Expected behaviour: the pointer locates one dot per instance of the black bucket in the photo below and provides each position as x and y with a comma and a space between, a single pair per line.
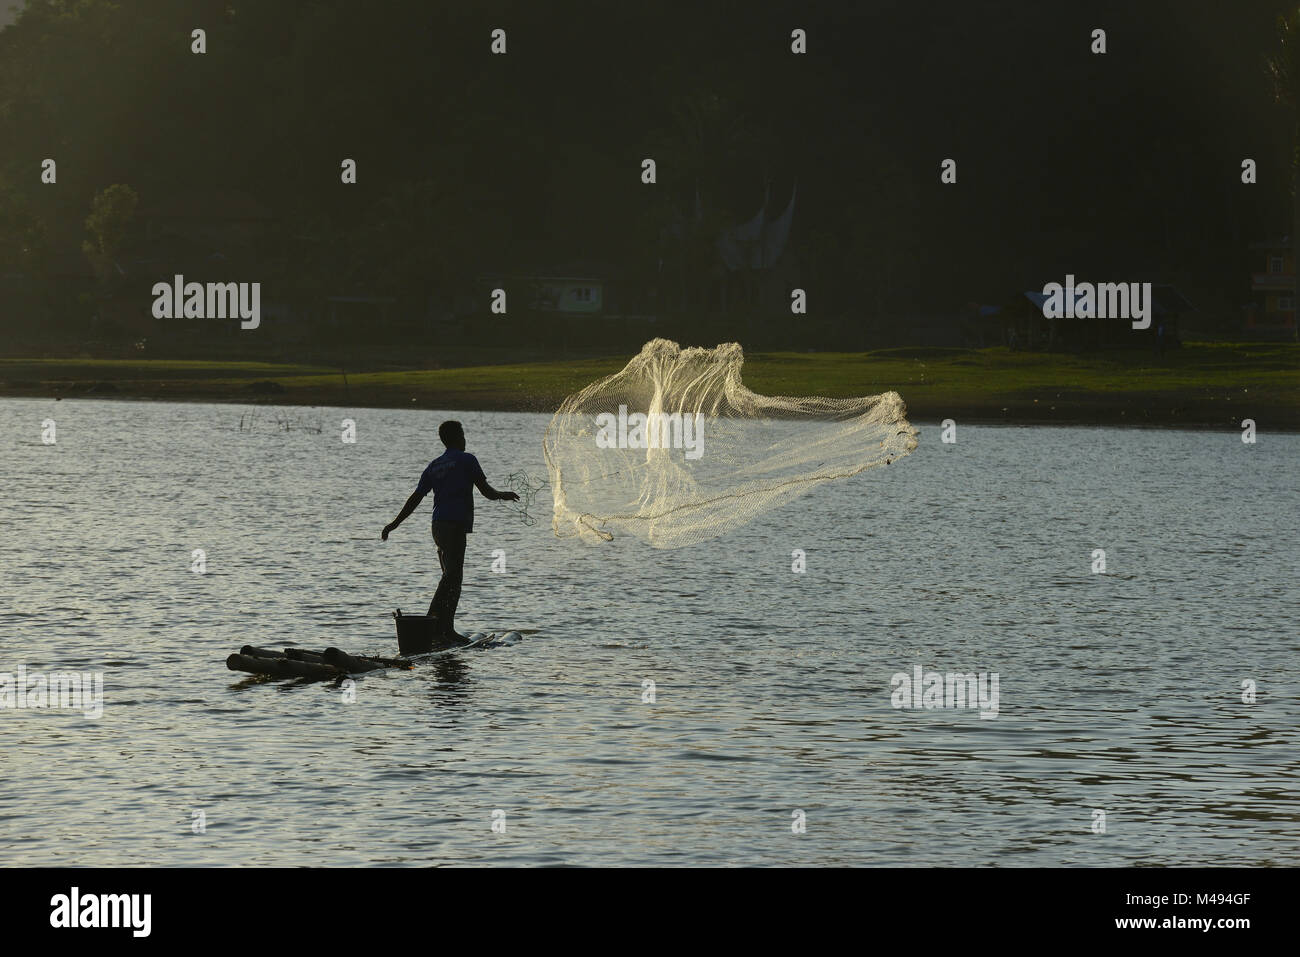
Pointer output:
416, 634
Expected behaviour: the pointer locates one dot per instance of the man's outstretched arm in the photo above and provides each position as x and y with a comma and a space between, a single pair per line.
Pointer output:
491, 493
411, 505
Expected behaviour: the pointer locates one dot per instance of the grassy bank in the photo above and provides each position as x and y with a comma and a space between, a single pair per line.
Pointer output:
1202, 384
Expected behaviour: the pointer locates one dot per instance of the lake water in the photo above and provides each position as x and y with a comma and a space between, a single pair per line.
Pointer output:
1119, 693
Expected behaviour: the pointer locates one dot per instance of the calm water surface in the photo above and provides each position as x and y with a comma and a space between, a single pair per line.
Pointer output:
1119, 692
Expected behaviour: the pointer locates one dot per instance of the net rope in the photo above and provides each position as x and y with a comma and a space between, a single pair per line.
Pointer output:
523, 484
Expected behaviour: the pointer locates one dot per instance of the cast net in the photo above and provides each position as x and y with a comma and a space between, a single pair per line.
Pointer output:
675, 450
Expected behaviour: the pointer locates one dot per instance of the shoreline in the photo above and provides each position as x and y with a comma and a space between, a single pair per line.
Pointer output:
1204, 386
1286, 424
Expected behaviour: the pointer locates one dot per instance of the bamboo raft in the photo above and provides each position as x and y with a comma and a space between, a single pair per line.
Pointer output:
328, 665
417, 637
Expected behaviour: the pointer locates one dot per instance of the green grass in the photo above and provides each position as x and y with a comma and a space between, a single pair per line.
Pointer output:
1200, 385
1206, 384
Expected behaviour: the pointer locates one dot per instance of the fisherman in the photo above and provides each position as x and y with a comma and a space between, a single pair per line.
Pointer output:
451, 477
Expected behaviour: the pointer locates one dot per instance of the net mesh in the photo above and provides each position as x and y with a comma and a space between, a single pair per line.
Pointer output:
675, 450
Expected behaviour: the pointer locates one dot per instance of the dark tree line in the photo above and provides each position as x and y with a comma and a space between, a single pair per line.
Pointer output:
1123, 166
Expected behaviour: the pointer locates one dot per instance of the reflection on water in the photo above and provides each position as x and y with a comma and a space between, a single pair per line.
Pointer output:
1119, 692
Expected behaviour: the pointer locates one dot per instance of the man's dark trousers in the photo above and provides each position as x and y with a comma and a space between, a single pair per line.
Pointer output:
450, 539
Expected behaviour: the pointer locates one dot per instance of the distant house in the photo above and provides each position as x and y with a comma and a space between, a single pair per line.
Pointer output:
758, 243
750, 266
582, 288
1271, 311
1025, 327
981, 325
578, 294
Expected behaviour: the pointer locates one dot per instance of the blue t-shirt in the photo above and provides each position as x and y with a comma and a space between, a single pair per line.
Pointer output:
451, 477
